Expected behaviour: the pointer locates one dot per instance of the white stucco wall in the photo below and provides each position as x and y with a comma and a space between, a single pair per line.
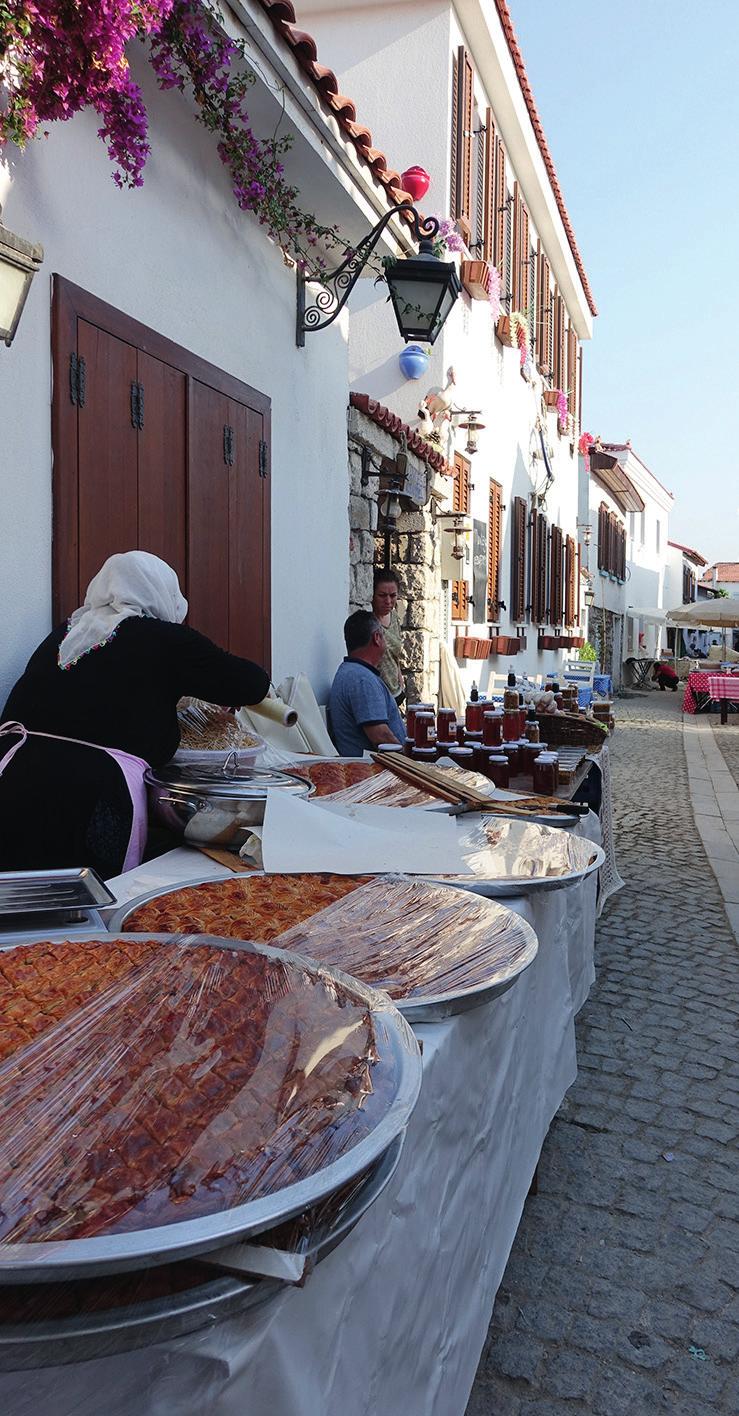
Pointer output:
180, 257
395, 61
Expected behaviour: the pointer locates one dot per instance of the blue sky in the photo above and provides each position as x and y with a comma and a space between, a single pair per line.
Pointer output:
640, 103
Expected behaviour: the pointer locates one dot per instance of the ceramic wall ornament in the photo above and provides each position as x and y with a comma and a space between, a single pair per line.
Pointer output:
413, 360
435, 417
415, 181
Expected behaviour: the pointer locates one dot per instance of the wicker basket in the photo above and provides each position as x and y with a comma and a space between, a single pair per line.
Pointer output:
568, 730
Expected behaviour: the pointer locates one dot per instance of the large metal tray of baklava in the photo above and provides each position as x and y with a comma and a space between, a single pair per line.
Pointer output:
520, 858
432, 949
161, 1097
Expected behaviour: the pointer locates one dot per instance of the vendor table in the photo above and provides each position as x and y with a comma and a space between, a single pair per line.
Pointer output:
724, 688
395, 1319
699, 682
603, 684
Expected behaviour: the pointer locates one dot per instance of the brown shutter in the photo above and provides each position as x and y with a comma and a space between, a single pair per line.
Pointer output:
461, 504
495, 516
559, 370
524, 261
572, 370
454, 155
503, 224
544, 316
555, 577
461, 485
538, 562
570, 590
465, 115
602, 548
479, 243
518, 560
488, 242
517, 249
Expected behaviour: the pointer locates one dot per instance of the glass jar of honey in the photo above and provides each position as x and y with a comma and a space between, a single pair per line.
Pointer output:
410, 715
424, 729
499, 771
512, 752
511, 725
510, 698
473, 715
545, 773
492, 728
531, 731
446, 725
424, 754
529, 751
462, 756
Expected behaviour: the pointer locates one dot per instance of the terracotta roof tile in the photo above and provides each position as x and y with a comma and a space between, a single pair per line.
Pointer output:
283, 17
725, 570
523, 79
394, 425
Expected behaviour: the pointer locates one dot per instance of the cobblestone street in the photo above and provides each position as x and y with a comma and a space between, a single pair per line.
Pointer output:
621, 1296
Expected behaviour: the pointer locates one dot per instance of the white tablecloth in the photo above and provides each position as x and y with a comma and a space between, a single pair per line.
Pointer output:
394, 1320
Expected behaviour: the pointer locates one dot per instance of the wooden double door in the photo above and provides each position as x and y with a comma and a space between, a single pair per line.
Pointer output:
156, 450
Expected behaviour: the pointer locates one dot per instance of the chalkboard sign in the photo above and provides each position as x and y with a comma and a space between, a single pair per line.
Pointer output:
480, 571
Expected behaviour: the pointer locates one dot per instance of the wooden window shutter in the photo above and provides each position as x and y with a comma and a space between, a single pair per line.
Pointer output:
460, 600
480, 179
602, 525
538, 563
518, 559
577, 587
523, 258
516, 268
571, 370
503, 224
543, 315
488, 240
461, 485
495, 519
555, 576
560, 375
454, 155
465, 123
570, 591
461, 504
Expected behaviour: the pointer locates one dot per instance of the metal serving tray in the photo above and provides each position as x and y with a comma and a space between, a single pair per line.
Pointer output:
431, 1008
53, 1342
47, 1261
526, 839
42, 891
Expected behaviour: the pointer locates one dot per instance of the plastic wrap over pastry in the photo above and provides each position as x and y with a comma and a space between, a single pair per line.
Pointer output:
416, 940
173, 1080
255, 907
516, 850
362, 783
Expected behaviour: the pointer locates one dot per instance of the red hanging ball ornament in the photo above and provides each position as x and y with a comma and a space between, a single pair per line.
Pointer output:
415, 182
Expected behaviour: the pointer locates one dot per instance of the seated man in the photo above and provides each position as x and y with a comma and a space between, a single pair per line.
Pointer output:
361, 709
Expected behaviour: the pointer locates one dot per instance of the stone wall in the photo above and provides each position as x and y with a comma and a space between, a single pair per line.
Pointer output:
414, 555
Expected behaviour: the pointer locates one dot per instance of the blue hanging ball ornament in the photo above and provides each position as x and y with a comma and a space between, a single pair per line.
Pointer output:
413, 361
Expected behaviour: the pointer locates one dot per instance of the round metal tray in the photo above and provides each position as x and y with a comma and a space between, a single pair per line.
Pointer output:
500, 887
47, 1261
101, 1333
430, 1008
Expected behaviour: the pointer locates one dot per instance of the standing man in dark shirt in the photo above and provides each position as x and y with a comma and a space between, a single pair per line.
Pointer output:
361, 709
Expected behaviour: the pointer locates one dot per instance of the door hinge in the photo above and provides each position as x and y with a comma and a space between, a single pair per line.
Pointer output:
228, 445
77, 380
137, 405
262, 458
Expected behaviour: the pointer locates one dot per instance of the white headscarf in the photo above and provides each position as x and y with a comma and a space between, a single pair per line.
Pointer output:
132, 583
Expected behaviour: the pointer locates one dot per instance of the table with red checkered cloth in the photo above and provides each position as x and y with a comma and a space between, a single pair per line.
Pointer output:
724, 686
716, 686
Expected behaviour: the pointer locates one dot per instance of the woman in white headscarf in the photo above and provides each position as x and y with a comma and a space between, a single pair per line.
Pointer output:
110, 678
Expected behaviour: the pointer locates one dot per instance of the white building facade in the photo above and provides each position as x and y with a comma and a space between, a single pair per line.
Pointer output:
231, 460
443, 86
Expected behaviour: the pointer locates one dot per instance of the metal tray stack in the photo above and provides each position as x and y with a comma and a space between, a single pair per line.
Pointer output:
31, 900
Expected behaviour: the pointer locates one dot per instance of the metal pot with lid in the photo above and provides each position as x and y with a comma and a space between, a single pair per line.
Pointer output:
211, 806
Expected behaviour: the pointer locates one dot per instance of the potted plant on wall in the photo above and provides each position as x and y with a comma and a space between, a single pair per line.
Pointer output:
414, 360
475, 277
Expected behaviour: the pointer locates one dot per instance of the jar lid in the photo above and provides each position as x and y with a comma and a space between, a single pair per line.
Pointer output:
231, 780
460, 752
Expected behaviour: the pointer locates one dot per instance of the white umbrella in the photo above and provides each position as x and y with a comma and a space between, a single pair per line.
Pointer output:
707, 614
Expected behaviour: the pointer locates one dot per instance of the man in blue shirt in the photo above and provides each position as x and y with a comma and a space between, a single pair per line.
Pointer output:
361, 709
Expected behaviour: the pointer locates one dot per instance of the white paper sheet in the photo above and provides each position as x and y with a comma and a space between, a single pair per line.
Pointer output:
307, 835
